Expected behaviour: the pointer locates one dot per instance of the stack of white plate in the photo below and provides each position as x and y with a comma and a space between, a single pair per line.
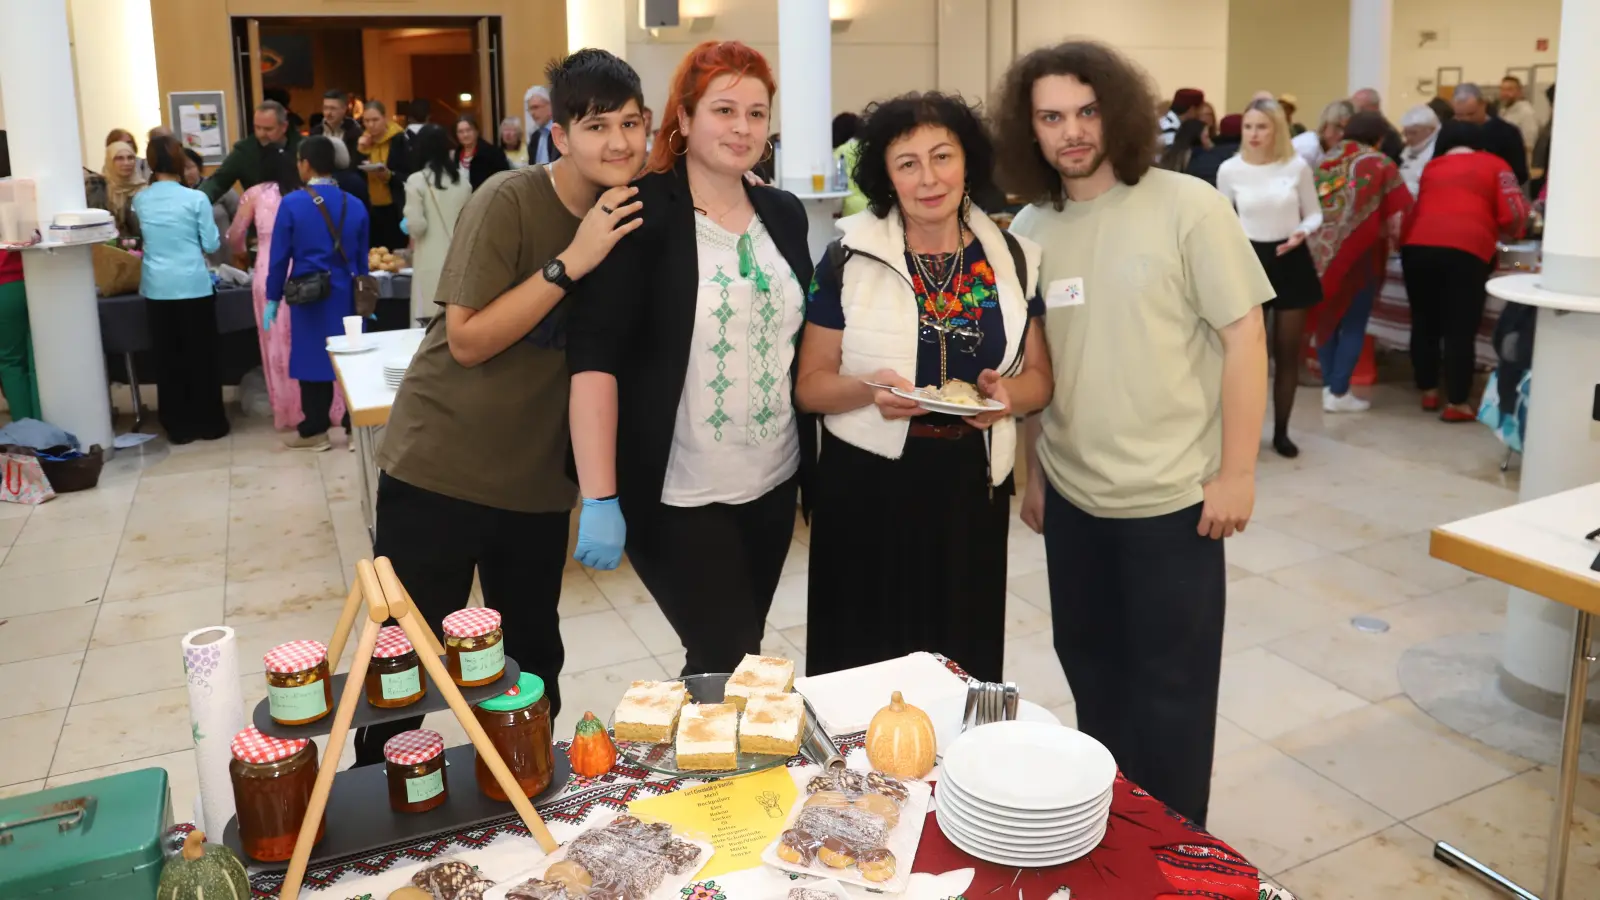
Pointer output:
1026, 794
394, 369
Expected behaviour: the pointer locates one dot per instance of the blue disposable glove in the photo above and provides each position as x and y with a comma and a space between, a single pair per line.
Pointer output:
601, 534
268, 314
405, 229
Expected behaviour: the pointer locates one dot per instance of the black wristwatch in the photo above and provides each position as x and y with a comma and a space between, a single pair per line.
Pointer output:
555, 272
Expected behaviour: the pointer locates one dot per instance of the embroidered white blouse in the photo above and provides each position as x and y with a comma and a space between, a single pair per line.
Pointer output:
735, 438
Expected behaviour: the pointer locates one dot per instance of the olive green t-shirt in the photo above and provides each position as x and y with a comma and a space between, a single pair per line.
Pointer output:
496, 433
1137, 283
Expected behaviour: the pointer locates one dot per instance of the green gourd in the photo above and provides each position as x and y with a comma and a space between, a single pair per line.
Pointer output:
203, 871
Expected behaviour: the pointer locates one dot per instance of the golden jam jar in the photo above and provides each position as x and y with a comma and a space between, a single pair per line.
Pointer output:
299, 689
518, 725
272, 781
414, 763
474, 646
395, 677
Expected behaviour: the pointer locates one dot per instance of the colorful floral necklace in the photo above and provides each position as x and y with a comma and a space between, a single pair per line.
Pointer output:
939, 302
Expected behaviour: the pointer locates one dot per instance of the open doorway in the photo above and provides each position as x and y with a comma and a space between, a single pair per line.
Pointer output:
453, 63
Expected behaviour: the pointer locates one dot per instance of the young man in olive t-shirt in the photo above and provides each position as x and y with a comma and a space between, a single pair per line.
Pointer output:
474, 455
1148, 452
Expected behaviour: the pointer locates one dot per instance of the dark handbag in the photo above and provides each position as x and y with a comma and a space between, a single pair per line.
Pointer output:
365, 286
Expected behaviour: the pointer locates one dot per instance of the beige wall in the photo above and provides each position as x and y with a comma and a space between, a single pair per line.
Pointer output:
113, 60
1268, 50
1481, 37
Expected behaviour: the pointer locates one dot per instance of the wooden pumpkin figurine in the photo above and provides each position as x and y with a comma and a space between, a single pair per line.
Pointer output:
203, 871
901, 740
592, 752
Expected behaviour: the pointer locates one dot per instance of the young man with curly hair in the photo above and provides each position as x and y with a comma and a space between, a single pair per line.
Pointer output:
1147, 455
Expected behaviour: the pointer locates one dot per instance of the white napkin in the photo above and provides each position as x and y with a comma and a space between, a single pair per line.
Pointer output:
847, 700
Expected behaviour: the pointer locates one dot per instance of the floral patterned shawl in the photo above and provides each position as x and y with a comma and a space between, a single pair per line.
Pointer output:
1361, 191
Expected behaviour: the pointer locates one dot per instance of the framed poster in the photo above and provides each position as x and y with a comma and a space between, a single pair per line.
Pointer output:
199, 121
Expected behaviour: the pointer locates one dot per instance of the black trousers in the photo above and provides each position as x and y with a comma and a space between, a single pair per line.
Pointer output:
713, 570
1138, 607
188, 382
384, 227
435, 542
1445, 287
316, 402
897, 567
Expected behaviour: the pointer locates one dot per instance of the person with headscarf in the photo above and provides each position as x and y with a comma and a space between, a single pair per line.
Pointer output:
536, 125
1420, 128
114, 188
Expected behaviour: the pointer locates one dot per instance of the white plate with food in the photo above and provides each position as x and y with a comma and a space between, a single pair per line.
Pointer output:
958, 398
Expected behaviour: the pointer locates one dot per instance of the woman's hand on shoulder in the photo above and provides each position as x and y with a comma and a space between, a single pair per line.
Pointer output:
600, 230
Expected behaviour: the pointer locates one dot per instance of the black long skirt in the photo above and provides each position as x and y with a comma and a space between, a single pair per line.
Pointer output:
908, 555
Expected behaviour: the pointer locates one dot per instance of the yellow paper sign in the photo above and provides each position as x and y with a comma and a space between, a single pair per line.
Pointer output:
739, 816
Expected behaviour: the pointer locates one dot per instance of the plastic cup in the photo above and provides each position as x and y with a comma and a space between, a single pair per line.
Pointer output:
352, 332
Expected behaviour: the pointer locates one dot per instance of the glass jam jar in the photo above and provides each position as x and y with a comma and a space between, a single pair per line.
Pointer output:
474, 646
299, 689
416, 770
395, 677
518, 725
272, 781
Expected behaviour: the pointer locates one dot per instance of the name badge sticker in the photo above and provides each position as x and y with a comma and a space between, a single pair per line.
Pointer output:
1064, 292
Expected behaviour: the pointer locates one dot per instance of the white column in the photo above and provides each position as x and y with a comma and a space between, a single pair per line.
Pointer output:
599, 24
42, 127
1371, 27
1563, 443
805, 83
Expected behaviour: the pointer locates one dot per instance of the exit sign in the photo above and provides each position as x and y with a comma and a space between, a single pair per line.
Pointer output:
1542, 45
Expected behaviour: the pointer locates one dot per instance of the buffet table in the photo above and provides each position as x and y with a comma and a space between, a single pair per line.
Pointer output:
1147, 852
368, 397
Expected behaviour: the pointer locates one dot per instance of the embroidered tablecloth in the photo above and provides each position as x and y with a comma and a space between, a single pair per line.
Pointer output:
1149, 852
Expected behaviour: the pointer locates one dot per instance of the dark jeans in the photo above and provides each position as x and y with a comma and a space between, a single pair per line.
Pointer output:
1138, 607
1445, 287
1340, 353
713, 570
188, 382
316, 402
435, 541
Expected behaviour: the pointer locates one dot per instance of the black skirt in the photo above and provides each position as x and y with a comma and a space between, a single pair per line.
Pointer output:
1293, 275
907, 555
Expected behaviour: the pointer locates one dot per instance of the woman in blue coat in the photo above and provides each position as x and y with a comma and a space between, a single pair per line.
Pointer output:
303, 244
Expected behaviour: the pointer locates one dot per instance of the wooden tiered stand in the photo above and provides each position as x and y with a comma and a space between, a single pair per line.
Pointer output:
385, 598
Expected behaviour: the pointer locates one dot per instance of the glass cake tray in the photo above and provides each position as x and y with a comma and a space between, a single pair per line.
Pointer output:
662, 758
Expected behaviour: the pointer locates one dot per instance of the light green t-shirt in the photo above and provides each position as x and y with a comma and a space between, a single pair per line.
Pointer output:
1137, 283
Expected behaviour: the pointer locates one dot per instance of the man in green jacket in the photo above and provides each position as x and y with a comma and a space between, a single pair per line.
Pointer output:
255, 159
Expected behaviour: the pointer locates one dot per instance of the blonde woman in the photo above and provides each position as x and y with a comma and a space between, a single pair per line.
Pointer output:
513, 143
1276, 196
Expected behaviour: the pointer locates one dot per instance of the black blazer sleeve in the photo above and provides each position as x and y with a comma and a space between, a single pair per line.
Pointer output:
605, 307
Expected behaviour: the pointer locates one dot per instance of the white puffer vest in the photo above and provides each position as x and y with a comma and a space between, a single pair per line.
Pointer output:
882, 322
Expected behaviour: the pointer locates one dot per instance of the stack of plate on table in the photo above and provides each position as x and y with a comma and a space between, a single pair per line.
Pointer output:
394, 369
1026, 794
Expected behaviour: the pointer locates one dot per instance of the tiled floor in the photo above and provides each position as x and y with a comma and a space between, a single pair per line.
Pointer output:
1327, 776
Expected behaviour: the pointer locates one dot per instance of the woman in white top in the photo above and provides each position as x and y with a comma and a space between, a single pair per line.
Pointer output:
1276, 196
1420, 127
435, 195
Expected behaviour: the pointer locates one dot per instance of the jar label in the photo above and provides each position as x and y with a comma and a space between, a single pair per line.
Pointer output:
477, 665
291, 704
425, 788
401, 684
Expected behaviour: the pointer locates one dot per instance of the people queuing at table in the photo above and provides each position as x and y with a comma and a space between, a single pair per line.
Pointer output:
474, 457
436, 193
320, 238
179, 230
115, 187
923, 288
383, 155
682, 351
476, 157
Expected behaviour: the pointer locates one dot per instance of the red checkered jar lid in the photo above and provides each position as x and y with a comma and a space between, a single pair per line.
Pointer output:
392, 642
413, 748
251, 746
471, 622
295, 656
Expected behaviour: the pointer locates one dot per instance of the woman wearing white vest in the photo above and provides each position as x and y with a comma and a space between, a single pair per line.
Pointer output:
909, 527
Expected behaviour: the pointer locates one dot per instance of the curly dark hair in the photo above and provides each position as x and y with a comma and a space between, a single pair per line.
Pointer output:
1366, 128
1127, 110
887, 121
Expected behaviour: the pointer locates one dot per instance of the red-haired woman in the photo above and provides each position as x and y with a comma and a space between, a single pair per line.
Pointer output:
682, 347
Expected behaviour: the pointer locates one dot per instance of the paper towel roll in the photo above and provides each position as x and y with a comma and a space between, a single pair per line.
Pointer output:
216, 714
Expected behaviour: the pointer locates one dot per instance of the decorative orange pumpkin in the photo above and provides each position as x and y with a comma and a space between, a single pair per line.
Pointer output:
901, 741
592, 752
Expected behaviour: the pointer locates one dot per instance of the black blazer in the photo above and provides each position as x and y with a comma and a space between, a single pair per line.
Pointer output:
634, 318
487, 161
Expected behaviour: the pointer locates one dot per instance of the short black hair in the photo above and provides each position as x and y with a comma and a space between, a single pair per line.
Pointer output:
418, 110
165, 156
336, 94
199, 163
1442, 108
846, 125
1366, 128
1457, 133
890, 120
317, 151
590, 82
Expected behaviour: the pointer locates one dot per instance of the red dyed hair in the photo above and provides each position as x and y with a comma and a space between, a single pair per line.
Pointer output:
690, 82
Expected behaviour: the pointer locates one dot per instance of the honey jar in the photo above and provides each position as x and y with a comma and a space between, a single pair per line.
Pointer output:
272, 781
474, 646
518, 725
395, 677
415, 766
299, 689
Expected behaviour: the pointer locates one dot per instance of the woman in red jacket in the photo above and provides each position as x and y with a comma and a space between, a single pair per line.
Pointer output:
1467, 199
